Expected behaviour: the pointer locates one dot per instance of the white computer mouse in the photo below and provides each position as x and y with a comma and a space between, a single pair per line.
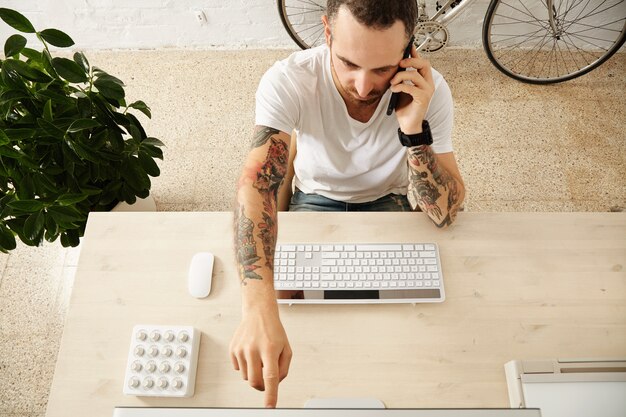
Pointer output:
200, 274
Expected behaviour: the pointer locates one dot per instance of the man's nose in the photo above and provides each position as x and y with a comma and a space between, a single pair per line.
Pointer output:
363, 85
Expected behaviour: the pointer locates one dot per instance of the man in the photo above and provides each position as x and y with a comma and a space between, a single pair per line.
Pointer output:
349, 155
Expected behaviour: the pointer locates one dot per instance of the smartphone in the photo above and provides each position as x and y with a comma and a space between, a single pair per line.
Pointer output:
393, 102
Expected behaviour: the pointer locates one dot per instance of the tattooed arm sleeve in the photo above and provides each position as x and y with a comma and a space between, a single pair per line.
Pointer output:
437, 190
256, 206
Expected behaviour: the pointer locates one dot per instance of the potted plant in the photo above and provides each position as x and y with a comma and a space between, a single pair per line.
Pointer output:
69, 144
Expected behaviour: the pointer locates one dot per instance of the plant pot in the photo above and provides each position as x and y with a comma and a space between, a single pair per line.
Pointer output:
142, 204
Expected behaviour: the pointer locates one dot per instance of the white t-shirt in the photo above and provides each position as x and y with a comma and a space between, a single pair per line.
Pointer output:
339, 157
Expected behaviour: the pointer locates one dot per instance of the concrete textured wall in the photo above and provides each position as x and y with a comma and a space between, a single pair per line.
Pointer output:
156, 24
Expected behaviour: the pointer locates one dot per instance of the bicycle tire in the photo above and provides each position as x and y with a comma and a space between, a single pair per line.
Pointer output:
291, 26
528, 77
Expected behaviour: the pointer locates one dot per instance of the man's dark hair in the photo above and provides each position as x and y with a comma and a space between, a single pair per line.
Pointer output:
378, 14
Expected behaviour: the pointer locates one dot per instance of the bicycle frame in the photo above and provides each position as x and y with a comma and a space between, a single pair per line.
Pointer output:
446, 14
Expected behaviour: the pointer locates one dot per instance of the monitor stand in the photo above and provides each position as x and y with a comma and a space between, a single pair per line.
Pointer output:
344, 403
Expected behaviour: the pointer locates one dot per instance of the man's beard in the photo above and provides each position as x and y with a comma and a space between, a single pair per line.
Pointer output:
353, 96
372, 98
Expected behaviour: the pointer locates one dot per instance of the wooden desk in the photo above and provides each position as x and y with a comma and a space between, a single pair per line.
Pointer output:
518, 285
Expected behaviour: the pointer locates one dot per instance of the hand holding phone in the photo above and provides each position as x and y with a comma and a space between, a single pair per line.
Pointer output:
393, 102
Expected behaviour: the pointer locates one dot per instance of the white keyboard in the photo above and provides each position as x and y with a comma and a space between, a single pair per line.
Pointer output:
358, 273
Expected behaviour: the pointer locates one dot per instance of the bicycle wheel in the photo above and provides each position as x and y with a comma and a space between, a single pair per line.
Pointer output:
303, 21
523, 42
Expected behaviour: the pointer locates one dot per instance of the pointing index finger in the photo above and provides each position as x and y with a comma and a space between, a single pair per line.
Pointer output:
271, 380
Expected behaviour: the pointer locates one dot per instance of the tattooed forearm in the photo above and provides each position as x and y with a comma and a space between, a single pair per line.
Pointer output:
262, 135
431, 187
258, 191
245, 247
268, 181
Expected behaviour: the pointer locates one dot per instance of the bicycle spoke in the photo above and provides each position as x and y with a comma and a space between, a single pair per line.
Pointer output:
592, 27
530, 22
529, 14
312, 3
589, 42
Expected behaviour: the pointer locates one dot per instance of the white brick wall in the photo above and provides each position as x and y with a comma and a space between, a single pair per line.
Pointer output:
152, 24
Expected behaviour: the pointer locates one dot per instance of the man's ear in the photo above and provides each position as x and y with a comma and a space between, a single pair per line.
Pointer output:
327, 33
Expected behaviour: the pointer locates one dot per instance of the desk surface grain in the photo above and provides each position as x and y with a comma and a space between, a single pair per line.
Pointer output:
518, 286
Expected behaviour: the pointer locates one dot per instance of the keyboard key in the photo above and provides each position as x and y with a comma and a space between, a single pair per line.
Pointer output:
331, 255
288, 248
378, 248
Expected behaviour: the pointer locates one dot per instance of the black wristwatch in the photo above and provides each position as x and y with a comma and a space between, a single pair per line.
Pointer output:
424, 138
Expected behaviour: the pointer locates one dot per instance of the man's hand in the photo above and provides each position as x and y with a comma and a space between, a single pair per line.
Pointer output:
412, 105
261, 351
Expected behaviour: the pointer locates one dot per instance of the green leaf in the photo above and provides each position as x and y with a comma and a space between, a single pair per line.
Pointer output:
65, 214
47, 64
52, 229
109, 88
149, 165
16, 20
51, 129
81, 60
142, 107
91, 190
101, 75
152, 150
57, 38
31, 54
25, 70
71, 199
14, 45
11, 78
4, 139
34, 225
10, 153
27, 206
84, 152
7, 239
152, 141
135, 133
47, 111
18, 134
69, 70
82, 124
70, 238
134, 174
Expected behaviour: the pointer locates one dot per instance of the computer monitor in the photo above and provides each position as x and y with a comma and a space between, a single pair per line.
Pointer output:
326, 412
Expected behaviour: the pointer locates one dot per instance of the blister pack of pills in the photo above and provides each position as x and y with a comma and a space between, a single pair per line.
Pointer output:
162, 361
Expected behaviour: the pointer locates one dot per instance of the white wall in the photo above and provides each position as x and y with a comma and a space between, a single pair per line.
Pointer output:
152, 24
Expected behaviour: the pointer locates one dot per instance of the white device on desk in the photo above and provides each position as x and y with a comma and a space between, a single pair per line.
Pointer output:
569, 387
162, 361
348, 273
200, 274
311, 412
